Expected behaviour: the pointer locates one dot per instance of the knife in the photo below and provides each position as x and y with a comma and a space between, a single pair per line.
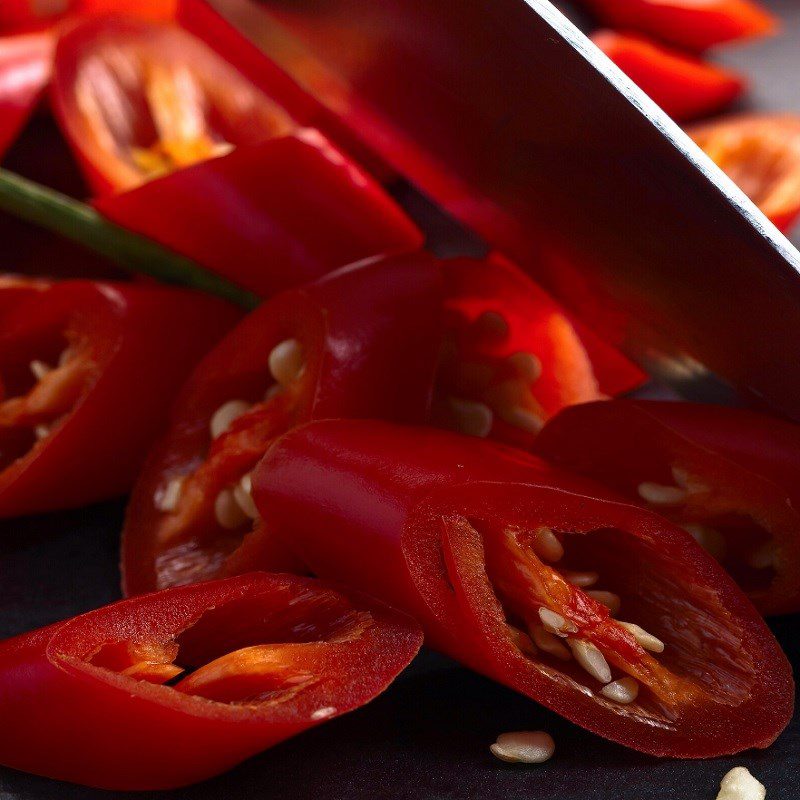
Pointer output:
509, 118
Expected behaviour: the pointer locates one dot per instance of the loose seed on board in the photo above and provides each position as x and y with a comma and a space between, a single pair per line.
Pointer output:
591, 659
739, 784
242, 493
470, 417
660, 495
524, 747
646, 640
555, 623
39, 369
228, 512
582, 580
549, 643
547, 545
166, 498
222, 418
624, 690
286, 361
610, 600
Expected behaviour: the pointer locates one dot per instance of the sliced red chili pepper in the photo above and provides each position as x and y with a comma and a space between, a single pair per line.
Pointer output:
683, 85
687, 23
25, 65
270, 216
342, 347
250, 661
761, 153
523, 572
26, 15
88, 374
728, 476
513, 356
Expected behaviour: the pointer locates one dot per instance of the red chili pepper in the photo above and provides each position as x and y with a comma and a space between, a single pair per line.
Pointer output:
26, 15
729, 476
513, 356
14, 289
25, 65
342, 347
683, 85
250, 661
687, 23
89, 371
270, 216
761, 153
485, 545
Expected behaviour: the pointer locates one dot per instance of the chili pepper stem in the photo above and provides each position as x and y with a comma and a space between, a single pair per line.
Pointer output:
47, 208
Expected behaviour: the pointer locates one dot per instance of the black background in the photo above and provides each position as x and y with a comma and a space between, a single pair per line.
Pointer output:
428, 736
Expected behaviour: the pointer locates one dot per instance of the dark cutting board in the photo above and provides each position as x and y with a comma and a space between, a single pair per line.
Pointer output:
428, 736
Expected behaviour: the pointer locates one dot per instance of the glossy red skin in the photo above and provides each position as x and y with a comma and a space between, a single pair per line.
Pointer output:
319, 212
577, 366
378, 506
687, 24
15, 289
683, 85
624, 442
363, 360
21, 15
142, 343
25, 64
65, 718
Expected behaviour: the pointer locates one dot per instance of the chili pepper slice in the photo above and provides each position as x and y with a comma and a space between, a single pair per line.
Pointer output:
342, 347
601, 611
683, 85
726, 475
513, 356
27, 15
761, 153
270, 216
88, 372
25, 65
688, 24
172, 688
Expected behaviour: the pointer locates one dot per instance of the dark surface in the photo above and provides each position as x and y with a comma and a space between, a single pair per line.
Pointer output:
427, 737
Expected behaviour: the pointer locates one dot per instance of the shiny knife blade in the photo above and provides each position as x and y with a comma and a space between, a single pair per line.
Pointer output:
509, 118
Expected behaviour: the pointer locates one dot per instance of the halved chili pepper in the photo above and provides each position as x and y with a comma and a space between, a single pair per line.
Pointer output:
683, 85
174, 687
88, 372
26, 15
761, 153
362, 342
25, 65
513, 356
728, 476
547, 582
687, 23
270, 216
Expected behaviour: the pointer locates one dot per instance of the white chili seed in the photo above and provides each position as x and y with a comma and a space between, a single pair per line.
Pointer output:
660, 495
227, 511
470, 417
624, 690
739, 784
39, 369
555, 623
222, 418
547, 545
286, 361
524, 747
526, 365
549, 643
41, 431
591, 659
167, 497
521, 417
710, 539
581, 579
610, 600
243, 494
646, 640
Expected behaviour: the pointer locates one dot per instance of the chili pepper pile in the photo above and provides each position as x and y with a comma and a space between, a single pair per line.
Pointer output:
391, 446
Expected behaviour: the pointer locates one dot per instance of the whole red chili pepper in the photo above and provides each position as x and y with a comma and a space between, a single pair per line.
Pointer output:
761, 153
250, 661
209, 163
25, 64
342, 347
683, 85
88, 372
494, 552
729, 476
513, 356
687, 23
